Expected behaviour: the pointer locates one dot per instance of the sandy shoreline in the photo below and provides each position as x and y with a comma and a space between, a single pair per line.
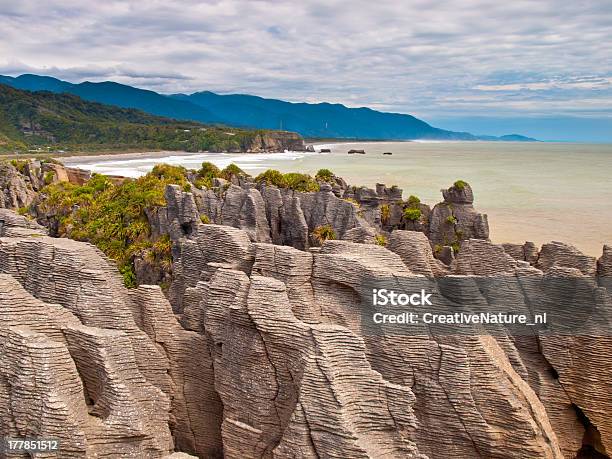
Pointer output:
93, 158
89, 159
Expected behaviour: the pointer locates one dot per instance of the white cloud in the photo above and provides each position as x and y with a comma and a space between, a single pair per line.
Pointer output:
419, 56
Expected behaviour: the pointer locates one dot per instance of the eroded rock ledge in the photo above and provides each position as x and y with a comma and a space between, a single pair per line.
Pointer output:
266, 357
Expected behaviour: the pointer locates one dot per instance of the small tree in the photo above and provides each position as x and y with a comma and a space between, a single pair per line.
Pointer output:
412, 214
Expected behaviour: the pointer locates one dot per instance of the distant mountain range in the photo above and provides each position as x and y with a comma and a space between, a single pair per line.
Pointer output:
322, 120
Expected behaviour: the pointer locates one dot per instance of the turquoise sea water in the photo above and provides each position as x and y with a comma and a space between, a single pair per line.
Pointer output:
531, 191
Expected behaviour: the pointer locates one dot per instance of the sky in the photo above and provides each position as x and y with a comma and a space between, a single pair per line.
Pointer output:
540, 68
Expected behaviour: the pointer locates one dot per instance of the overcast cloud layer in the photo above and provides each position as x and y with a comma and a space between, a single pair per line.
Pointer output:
434, 59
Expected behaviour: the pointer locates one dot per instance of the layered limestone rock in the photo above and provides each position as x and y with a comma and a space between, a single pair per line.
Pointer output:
81, 385
125, 379
267, 214
455, 219
15, 191
266, 350
197, 257
415, 251
13, 225
561, 254
21, 180
526, 252
286, 388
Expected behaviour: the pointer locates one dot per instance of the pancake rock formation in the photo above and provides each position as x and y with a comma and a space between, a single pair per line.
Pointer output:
263, 345
262, 351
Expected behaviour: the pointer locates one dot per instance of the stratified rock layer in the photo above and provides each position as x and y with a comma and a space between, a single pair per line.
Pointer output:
264, 350
125, 379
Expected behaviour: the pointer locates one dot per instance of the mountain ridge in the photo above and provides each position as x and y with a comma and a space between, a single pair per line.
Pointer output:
45, 119
323, 119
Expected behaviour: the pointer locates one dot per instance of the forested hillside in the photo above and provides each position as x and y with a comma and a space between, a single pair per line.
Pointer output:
31, 120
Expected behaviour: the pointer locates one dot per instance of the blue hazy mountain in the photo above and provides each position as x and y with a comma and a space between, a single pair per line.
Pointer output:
115, 94
310, 120
317, 120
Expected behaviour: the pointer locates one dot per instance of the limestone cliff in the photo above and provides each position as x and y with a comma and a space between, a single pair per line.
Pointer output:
264, 347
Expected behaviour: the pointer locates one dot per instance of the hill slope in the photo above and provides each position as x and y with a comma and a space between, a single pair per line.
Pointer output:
115, 94
311, 120
30, 119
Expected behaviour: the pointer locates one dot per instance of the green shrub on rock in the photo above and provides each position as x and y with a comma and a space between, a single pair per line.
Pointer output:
385, 213
272, 177
292, 180
112, 216
323, 233
325, 175
380, 239
206, 174
412, 214
208, 169
460, 184
49, 177
300, 182
231, 171
413, 201
173, 174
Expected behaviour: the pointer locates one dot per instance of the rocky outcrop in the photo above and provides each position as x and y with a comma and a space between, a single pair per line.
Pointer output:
455, 219
21, 180
13, 225
415, 251
112, 371
15, 191
302, 395
523, 252
276, 141
277, 357
561, 254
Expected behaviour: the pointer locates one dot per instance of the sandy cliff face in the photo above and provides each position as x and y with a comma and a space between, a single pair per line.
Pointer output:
265, 350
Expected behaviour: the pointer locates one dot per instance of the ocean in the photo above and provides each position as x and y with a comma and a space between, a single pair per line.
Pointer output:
536, 191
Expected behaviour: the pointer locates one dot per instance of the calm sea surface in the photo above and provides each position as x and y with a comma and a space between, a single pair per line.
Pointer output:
531, 191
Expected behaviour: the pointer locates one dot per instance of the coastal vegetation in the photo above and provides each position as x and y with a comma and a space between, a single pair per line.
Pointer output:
323, 233
112, 216
45, 121
380, 239
385, 213
413, 201
325, 175
412, 210
460, 184
292, 180
412, 213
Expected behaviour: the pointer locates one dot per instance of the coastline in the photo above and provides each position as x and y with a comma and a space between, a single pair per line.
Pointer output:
93, 158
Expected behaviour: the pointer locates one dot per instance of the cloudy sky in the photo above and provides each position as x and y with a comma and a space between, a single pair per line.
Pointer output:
542, 67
